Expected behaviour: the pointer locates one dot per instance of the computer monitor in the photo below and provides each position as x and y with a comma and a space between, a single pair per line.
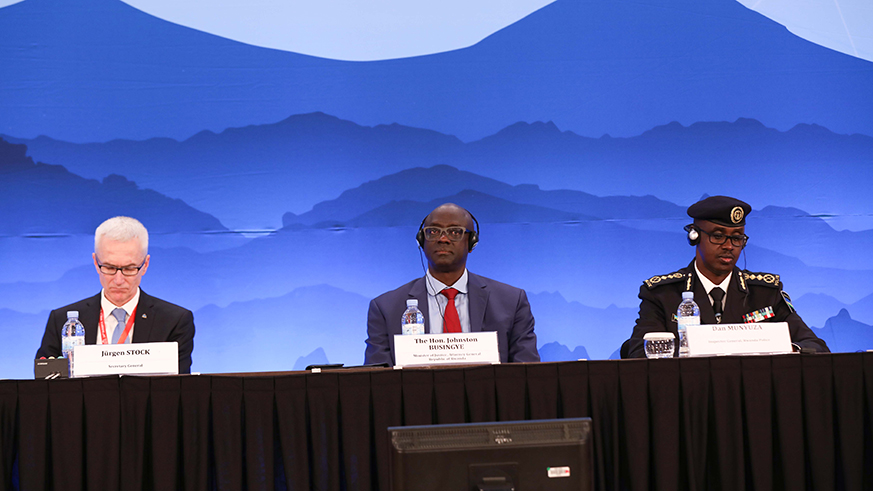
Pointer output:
515, 455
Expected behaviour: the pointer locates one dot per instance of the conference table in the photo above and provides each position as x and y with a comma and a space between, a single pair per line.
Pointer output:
759, 422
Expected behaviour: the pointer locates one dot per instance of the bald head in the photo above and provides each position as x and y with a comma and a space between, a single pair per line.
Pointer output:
453, 209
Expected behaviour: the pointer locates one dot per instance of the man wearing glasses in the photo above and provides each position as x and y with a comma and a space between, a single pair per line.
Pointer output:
724, 293
122, 313
451, 298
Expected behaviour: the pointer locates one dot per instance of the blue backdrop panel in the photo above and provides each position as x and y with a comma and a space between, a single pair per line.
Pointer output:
283, 191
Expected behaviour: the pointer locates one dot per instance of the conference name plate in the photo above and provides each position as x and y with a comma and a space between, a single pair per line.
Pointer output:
764, 338
446, 348
126, 359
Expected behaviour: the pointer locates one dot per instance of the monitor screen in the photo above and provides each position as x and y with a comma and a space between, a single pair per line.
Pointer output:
513, 455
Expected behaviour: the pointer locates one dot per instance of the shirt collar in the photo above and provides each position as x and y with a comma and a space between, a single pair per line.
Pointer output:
709, 285
434, 286
108, 306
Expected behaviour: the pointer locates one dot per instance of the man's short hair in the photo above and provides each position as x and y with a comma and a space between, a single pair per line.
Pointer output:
123, 229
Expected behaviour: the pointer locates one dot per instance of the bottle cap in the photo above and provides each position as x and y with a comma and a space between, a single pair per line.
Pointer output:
687, 295
411, 302
72, 313
658, 336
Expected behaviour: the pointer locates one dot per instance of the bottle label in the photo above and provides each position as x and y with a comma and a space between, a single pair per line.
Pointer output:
413, 329
67, 344
689, 321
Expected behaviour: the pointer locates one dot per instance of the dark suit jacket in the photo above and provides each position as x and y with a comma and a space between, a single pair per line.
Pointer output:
747, 292
163, 321
494, 306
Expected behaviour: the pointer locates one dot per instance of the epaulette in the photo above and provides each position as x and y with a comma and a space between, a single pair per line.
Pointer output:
763, 279
665, 279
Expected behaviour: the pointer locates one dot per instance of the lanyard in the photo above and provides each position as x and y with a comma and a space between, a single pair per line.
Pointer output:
124, 334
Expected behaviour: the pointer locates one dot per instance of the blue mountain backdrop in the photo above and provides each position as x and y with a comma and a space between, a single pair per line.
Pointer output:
283, 191
614, 67
287, 297
268, 160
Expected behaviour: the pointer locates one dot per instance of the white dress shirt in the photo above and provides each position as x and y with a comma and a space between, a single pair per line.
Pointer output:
437, 302
110, 321
709, 285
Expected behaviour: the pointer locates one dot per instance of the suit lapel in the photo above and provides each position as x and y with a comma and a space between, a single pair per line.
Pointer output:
733, 309
478, 300
142, 325
707, 314
90, 318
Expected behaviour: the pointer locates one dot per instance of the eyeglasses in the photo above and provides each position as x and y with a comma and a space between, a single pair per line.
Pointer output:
719, 238
453, 233
125, 271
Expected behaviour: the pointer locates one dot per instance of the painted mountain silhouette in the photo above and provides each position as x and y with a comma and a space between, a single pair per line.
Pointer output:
443, 181
279, 329
312, 164
616, 67
22, 334
493, 210
842, 333
817, 308
48, 199
380, 254
776, 227
800, 167
556, 351
387, 202
289, 165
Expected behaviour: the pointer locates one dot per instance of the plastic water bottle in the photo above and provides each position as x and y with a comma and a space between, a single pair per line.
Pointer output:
72, 334
413, 319
688, 314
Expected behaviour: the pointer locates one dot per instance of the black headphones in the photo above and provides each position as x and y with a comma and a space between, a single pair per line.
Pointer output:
693, 234
472, 240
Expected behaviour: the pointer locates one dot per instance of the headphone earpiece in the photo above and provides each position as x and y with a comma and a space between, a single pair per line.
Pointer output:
693, 234
419, 236
474, 235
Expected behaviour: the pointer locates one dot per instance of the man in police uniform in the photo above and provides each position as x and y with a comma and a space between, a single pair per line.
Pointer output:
724, 293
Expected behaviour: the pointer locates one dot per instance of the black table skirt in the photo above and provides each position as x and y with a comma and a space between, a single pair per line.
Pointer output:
782, 422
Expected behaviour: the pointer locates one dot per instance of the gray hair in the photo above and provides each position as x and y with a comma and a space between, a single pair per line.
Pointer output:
123, 229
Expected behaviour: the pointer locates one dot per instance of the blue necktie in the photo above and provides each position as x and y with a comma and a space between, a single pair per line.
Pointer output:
121, 315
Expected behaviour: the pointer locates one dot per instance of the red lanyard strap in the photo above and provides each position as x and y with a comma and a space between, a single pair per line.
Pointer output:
124, 334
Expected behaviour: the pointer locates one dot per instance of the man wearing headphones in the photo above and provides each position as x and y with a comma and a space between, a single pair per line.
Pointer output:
451, 298
724, 293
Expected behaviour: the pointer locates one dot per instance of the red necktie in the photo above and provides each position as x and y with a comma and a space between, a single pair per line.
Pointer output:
451, 323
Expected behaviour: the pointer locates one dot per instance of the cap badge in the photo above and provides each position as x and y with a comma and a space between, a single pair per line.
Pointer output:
737, 214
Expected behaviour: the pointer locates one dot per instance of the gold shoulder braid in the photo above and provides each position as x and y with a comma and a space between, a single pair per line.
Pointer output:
768, 279
668, 278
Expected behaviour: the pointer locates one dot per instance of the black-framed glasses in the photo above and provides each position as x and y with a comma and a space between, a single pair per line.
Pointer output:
125, 271
453, 233
719, 238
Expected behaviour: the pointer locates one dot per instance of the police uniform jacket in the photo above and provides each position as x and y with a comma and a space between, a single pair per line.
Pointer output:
747, 293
